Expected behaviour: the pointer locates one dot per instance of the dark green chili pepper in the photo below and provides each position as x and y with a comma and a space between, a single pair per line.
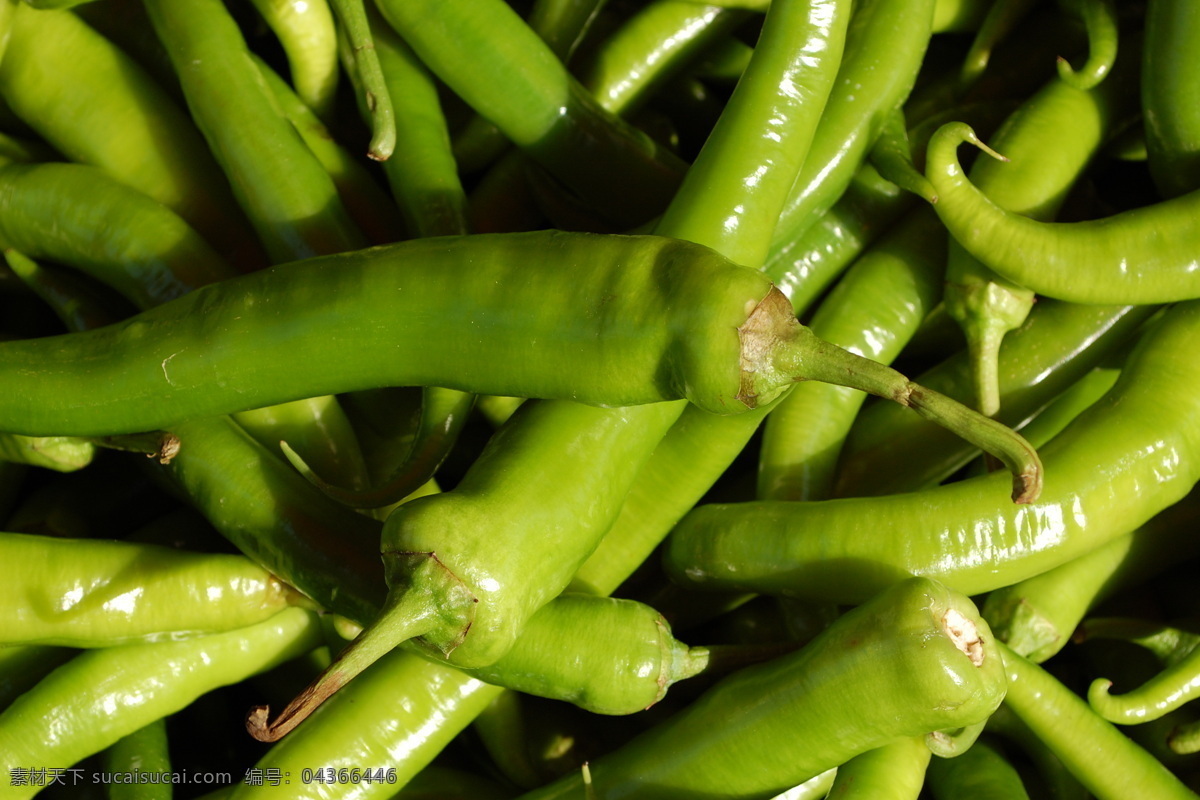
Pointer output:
913, 659
1169, 100
1110, 765
96, 593
1132, 257
75, 214
140, 755
895, 771
527, 93
1121, 462
980, 773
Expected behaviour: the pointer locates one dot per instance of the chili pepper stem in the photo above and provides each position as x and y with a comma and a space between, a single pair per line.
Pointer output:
406, 615
777, 350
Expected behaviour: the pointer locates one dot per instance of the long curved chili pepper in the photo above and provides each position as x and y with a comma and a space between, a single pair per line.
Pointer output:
705, 748
1109, 472
1104, 760
1043, 166
1170, 103
1100, 19
246, 348
1178, 650
77, 215
1082, 262
1054, 775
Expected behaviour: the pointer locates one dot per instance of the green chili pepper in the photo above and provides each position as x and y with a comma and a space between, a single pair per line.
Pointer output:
1178, 650
1121, 462
95, 105
1037, 616
1044, 167
417, 708
85, 593
143, 753
1106, 762
1058, 344
1083, 262
873, 311
913, 659
288, 197
895, 771
733, 344
77, 215
306, 32
1169, 89
1100, 19
527, 93
981, 773
103, 695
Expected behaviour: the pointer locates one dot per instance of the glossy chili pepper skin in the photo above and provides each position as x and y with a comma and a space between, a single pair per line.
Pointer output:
1136, 256
1101, 757
373, 318
419, 707
1126, 458
888, 669
649, 658
106, 694
96, 593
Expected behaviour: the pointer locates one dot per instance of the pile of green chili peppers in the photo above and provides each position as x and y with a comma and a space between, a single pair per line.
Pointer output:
469, 399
